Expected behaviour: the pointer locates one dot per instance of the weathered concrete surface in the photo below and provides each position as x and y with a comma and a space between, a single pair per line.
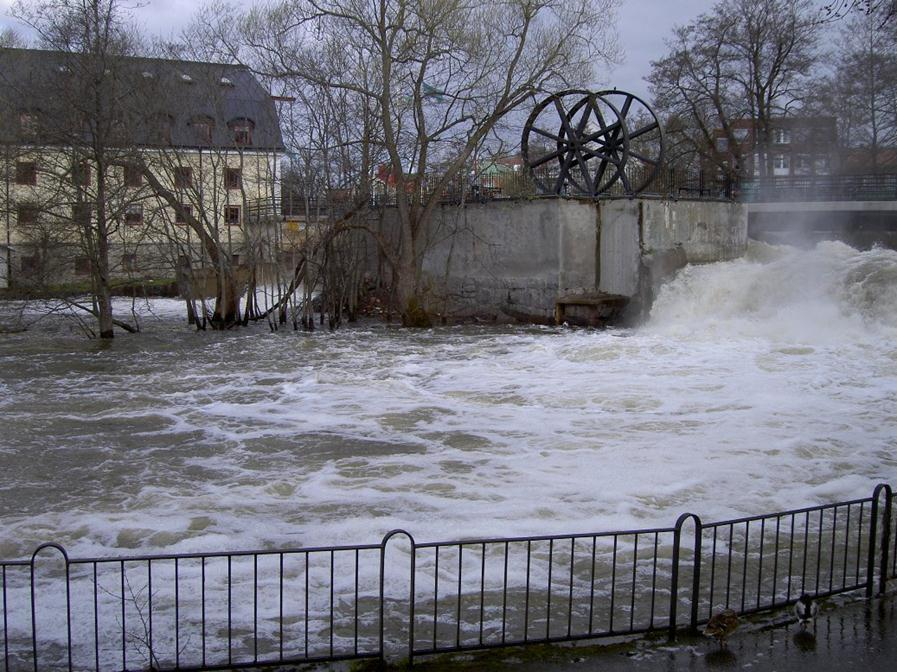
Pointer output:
674, 233
4, 269
514, 259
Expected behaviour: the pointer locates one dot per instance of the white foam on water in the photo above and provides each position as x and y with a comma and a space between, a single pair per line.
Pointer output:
757, 385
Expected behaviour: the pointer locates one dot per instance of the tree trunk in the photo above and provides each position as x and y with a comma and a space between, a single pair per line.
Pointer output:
227, 301
104, 310
411, 301
101, 273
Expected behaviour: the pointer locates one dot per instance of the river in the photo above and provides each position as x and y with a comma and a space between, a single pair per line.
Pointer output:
756, 385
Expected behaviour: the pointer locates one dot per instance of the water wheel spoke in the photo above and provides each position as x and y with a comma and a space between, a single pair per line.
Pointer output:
611, 156
642, 158
547, 134
559, 183
592, 105
551, 156
583, 122
613, 131
583, 165
600, 150
568, 162
643, 130
566, 128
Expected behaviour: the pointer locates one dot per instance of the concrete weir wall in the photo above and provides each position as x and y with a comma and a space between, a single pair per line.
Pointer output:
643, 241
515, 259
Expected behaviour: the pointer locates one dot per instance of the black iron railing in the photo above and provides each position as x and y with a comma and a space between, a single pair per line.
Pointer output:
403, 598
800, 188
671, 183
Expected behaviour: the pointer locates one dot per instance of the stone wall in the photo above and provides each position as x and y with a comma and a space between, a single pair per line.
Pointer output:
514, 259
644, 241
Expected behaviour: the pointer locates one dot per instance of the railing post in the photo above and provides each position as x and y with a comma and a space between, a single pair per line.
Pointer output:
696, 573
885, 537
873, 536
383, 544
68, 604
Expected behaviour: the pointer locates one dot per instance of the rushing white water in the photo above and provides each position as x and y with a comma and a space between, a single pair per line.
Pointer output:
757, 385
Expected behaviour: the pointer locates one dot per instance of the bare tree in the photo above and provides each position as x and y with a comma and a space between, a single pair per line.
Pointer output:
86, 129
884, 11
203, 195
861, 90
745, 59
430, 81
12, 39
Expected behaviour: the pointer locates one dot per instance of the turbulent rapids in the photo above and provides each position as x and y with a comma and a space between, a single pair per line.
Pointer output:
756, 385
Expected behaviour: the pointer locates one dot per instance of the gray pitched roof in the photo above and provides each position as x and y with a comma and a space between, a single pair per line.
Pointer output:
145, 94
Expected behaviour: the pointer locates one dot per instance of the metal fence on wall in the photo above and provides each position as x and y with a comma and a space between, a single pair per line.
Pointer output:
798, 188
404, 598
670, 183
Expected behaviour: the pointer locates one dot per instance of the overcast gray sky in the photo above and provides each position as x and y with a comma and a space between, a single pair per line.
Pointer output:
643, 25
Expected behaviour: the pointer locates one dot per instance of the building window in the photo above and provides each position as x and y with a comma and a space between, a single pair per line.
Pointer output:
181, 214
134, 214
242, 129
722, 144
740, 134
82, 265
183, 178
81, 173
203, 128
81, 214
26, 214
26, 172
232, 215
233, 178
161, 125
780, 162
781, 136
129, 262
31, 264
28, 124
133, 176
119, 124
821, 135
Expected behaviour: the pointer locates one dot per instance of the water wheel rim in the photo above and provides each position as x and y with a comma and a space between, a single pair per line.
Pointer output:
653, 164
583, 158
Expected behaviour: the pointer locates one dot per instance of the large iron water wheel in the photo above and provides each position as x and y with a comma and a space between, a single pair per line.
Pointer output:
646, 141
575, 141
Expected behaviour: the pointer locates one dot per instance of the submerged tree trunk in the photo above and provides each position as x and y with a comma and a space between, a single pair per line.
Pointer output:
226, 313
101, 272
227, 301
